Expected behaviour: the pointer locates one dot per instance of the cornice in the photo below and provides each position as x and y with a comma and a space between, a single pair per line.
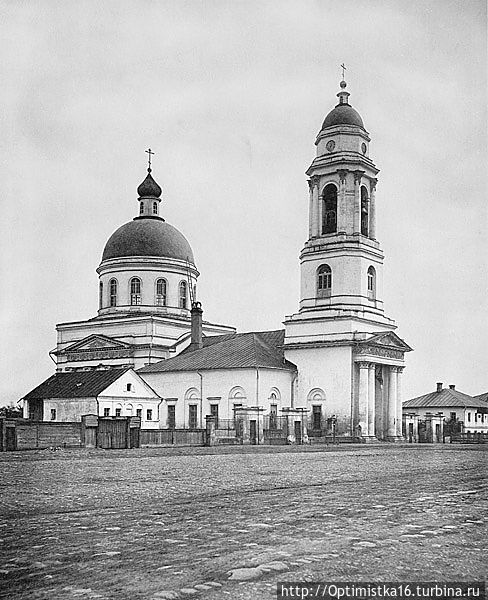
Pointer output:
147, 263
289, 320
342, 160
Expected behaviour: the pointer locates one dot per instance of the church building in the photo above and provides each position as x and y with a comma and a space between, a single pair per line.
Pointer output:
147, 281
336, 365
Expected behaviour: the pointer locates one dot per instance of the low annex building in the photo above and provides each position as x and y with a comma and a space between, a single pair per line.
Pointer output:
66, 397
240, 372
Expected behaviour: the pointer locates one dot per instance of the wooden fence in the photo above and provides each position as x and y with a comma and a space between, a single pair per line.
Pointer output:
172, 437
22, 434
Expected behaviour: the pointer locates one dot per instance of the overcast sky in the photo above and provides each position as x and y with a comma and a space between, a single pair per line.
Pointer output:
230, 95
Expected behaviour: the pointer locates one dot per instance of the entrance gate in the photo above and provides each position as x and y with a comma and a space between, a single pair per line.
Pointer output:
116, 433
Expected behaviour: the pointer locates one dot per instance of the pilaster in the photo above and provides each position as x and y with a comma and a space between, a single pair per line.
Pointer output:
310, 209
372, 209
357, 201
315, 194
341, 205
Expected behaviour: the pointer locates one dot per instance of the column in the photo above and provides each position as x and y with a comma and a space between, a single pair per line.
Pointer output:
371, 399
372, 210
363, 397
310, 209
392, 402
399, 419
357, 201
316, 208
341, 202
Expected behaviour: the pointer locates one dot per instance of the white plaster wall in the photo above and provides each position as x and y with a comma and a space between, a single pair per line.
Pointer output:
129, 408
329, 369
139, 388
349, 274
69, 409
344, 142
216, 388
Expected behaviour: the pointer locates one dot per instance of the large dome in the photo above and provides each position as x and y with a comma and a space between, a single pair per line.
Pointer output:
343, 114
148, 237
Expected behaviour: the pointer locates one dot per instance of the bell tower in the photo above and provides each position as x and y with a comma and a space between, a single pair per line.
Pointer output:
349, 359
342, 262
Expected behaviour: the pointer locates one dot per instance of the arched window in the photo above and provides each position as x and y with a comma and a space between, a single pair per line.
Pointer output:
371, 282
155, 208
161, 287
324, 281
182, 303
135, 291
329, 213
100, 296
141, 208
113, 292
364, 211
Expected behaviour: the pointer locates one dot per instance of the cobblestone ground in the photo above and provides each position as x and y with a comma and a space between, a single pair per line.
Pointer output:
159, 524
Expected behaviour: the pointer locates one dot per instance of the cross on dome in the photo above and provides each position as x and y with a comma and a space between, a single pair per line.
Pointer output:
149, 152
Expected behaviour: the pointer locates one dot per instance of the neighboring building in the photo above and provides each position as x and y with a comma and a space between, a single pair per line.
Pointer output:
449, 405
65, 397
147, 282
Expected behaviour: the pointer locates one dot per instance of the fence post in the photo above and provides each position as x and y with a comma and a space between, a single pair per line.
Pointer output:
210, 435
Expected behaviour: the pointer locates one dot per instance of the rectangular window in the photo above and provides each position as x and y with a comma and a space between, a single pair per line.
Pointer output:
214, 412
53, 414
106, 412
317, 417
139, 412
469, 417
129, 387
149, 414
453, 416
171, 416
192, 416
118, 412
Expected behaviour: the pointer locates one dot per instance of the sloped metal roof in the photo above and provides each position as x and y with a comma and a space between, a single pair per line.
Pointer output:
81, 384
230, 351
445, 398
483, 397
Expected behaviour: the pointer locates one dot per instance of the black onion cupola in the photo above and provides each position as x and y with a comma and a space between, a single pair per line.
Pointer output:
149, 197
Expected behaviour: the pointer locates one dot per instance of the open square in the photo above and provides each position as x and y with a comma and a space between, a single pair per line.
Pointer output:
149, 524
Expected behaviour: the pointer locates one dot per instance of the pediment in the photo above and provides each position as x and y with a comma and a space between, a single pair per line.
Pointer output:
388, 339
96, 342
